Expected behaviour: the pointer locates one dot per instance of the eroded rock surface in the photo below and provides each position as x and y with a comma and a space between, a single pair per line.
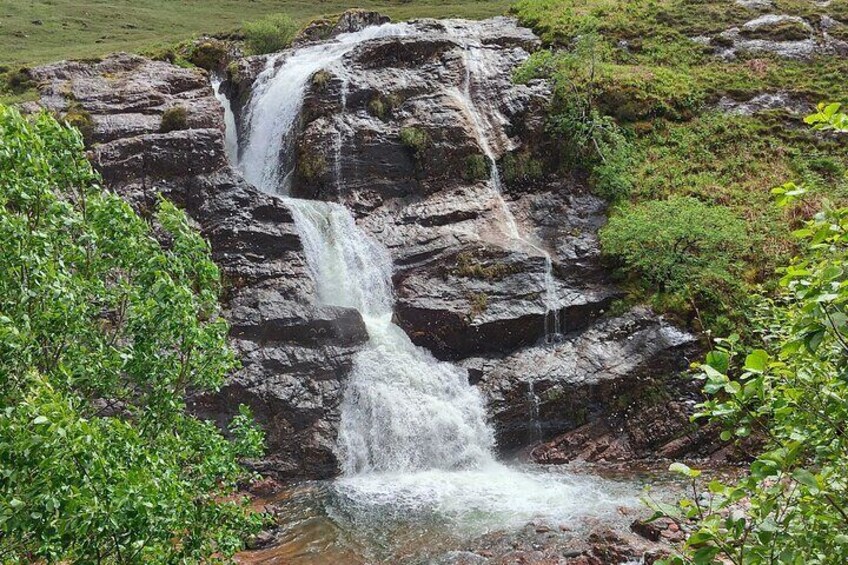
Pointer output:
783, 35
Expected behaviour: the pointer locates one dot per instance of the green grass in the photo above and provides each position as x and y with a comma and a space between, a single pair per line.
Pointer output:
80, 29
636, 64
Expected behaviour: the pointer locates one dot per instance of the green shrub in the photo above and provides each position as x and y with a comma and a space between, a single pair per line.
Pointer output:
418, 141
101, 333
594, 142
378, 108
479, 303
476, 167
19, 80
270, 34
521, 166
211, 55
321, 79
311, 166
382, 106
678, 246
80, 118
17, 86
173, 119
469, 266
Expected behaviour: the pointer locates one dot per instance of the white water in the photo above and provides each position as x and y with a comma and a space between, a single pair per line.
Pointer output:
230, 139
488, 127
413, 433
278, 97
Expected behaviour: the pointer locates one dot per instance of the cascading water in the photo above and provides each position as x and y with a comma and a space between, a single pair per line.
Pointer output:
486, 126
403, 410
230, 140
277, 99
413, 435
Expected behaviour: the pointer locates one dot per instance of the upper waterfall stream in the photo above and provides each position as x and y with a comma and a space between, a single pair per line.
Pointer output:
413, 436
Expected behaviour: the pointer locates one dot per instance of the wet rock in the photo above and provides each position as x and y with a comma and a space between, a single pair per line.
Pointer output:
782, 35
327, 28
659, 529
295, 354
591, 378
597, 546
764, 102
755, 4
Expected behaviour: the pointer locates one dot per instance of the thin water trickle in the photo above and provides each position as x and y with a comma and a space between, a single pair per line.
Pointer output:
533, 398
487, 126
230, 139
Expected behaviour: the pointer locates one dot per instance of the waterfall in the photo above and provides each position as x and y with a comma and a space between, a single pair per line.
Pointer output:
486, 127
230, 139
277, 98
402, 409
413, 433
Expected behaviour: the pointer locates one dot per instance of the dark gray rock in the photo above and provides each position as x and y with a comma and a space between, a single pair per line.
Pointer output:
295, 354
539, 392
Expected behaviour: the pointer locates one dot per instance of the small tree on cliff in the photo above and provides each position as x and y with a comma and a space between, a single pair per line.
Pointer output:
101, 331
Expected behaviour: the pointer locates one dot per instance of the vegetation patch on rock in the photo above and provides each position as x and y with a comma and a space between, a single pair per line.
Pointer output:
174, 119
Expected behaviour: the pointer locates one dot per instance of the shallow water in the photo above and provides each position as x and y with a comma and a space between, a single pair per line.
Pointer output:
418, 517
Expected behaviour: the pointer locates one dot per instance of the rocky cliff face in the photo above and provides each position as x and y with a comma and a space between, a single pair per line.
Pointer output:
403, 133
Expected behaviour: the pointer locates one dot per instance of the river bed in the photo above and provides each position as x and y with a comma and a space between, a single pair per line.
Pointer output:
427, 517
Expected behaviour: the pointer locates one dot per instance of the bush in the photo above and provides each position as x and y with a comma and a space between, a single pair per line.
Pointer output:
378, 108
415, 138
311, 166
102, 331
321, 79
211, 55
17, 85
592, 141
521, 166
679, 246
174, 119
476, 167
80, 118
270, 34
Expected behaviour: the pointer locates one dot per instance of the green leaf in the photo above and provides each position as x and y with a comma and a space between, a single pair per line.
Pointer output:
806, 478
684, 470
718, 360
757, 361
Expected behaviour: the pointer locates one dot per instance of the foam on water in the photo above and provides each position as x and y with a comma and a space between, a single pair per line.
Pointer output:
490, 497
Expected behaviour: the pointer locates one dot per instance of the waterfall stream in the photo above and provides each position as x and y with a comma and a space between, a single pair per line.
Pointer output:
486, 127
414, 433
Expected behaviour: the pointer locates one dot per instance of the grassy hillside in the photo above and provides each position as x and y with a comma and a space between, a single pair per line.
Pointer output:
40, 31
644, 108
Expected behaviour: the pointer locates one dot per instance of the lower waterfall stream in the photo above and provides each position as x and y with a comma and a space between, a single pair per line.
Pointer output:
416, 448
